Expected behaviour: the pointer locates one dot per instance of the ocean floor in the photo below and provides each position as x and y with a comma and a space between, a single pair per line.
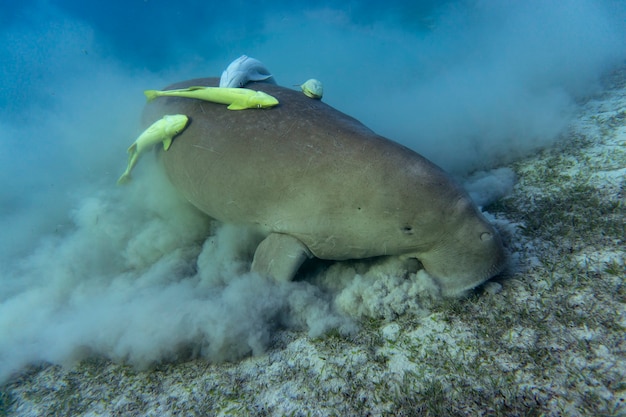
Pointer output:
546, 338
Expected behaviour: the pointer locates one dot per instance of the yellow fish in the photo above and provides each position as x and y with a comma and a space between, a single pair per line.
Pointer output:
236, 98
163, 130
313, 88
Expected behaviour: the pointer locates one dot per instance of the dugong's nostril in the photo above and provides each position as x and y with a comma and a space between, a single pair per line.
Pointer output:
485, 236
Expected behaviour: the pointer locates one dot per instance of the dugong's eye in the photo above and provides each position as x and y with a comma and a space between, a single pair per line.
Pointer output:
407, 230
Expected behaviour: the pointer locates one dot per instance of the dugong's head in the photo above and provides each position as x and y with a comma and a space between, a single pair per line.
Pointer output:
467, 252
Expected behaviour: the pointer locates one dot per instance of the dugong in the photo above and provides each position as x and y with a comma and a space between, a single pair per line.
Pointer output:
318, 183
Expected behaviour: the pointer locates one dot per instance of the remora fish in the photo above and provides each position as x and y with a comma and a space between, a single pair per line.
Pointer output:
236, 98
163, 130
313, 88
243, 70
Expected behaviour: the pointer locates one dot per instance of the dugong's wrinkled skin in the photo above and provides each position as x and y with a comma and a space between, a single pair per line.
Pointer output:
319, 183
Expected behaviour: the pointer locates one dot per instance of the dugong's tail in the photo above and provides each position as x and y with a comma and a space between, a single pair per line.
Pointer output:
151, 94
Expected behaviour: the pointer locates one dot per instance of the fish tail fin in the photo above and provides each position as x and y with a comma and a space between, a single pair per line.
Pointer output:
132, 160
124, 179
151, 94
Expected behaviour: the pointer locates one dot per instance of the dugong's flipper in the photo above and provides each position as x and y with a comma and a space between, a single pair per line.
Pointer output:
279, 256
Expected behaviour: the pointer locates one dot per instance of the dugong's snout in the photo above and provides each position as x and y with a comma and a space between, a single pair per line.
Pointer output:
466, 258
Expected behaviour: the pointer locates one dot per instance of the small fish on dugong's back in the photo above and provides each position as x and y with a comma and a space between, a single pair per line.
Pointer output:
163, 130
313, 88
236, 98
319, 183
243, 70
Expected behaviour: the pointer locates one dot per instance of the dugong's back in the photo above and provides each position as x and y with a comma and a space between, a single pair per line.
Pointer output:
305, 170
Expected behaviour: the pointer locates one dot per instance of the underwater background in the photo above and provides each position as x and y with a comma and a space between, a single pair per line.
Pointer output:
89, 269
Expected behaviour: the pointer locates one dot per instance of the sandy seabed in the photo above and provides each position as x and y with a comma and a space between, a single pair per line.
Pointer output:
546, 338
